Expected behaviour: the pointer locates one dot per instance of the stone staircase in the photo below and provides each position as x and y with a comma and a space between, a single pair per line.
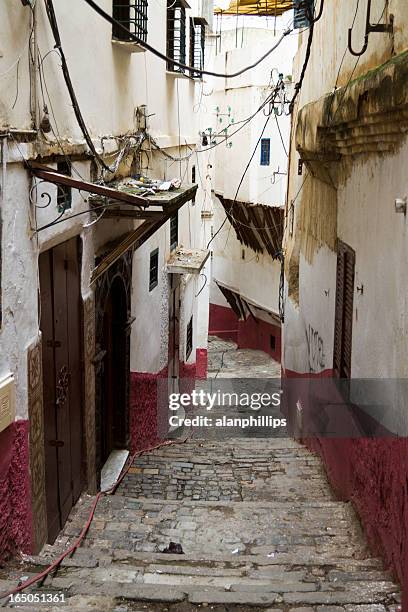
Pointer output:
258, 526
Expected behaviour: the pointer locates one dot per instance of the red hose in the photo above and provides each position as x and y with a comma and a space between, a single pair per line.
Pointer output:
84, 531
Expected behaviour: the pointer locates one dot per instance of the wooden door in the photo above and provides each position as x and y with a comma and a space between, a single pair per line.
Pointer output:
343, 329
62, 380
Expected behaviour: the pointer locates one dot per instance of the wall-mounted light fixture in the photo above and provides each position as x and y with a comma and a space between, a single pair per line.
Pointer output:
401, 205
360, 289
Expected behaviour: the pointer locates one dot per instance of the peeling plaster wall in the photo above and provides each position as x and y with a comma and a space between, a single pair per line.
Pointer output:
15, 520
150, 330
256, 277
370, 473
109, 85
107, 110
20, 327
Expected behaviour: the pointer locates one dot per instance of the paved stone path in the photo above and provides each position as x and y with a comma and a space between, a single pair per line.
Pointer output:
256, 519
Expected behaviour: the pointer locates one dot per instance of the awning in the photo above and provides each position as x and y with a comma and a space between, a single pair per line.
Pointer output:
187, 261
154, 210
257, 226
243, 306
252, 7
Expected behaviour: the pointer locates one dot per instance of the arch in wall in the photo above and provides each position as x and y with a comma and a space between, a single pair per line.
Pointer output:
112, 362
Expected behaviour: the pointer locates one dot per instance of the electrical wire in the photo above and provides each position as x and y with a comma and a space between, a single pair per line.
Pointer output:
352, 72
244, 123
342, 60
71, 549
241, 180
281, 137
203, 287
131, 36
299, 84
78, 114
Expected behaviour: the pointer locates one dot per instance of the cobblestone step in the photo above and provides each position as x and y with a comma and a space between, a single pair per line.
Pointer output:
285, 544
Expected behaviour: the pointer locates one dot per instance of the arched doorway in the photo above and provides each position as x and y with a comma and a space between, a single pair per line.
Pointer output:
114, 395
112, 360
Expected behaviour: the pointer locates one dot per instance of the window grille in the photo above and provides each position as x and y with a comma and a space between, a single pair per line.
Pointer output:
265, 151
154, 269
189, 340
302, 10
197, 44
64, 193
132, 14
176, 34
173, 232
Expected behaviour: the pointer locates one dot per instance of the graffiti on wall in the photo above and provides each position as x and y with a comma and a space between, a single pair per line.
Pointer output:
315, 350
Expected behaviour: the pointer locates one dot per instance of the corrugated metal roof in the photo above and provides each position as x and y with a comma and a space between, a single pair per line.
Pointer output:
253, 7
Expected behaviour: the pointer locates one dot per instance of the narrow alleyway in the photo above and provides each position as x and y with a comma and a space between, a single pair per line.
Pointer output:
256, 520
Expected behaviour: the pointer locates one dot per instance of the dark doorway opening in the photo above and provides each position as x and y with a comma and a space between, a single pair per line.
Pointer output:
114, 398
61, 329
112, 359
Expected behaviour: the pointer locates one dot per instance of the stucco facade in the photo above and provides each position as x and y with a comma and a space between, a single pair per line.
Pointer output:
110, 86
351, 141
253, 275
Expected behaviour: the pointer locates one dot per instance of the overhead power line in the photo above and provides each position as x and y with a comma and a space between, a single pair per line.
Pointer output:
130, 35
78, 114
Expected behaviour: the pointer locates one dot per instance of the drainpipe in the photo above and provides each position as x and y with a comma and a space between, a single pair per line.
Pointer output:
35, 117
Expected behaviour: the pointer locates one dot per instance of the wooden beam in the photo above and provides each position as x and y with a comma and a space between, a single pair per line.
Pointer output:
134, 240
120, 213
50, 175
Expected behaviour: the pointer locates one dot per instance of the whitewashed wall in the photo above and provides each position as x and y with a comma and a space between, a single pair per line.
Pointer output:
366, 219
110, 83
254, 277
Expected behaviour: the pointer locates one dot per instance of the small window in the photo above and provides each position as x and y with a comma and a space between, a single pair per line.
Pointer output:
154, 269
302, 10
197, 45
176, 34
193, 174
265, 151
132, 14
173, 232
189, 339
273, 343
64, 194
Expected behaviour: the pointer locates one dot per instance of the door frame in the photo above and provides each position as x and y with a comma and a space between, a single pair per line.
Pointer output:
122, 269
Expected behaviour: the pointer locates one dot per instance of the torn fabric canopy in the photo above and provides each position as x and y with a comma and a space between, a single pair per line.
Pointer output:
273, 8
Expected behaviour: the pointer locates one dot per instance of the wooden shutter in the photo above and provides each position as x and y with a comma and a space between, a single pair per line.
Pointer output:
343, 325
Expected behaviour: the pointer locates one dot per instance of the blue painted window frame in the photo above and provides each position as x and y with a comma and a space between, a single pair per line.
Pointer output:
265, 151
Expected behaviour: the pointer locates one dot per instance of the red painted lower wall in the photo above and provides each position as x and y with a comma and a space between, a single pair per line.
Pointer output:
223, 323
15, 506
143, 416
201, 363
251, 333
149, 402
372, 473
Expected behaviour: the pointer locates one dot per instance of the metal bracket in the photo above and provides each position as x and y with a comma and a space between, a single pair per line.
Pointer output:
378, 27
